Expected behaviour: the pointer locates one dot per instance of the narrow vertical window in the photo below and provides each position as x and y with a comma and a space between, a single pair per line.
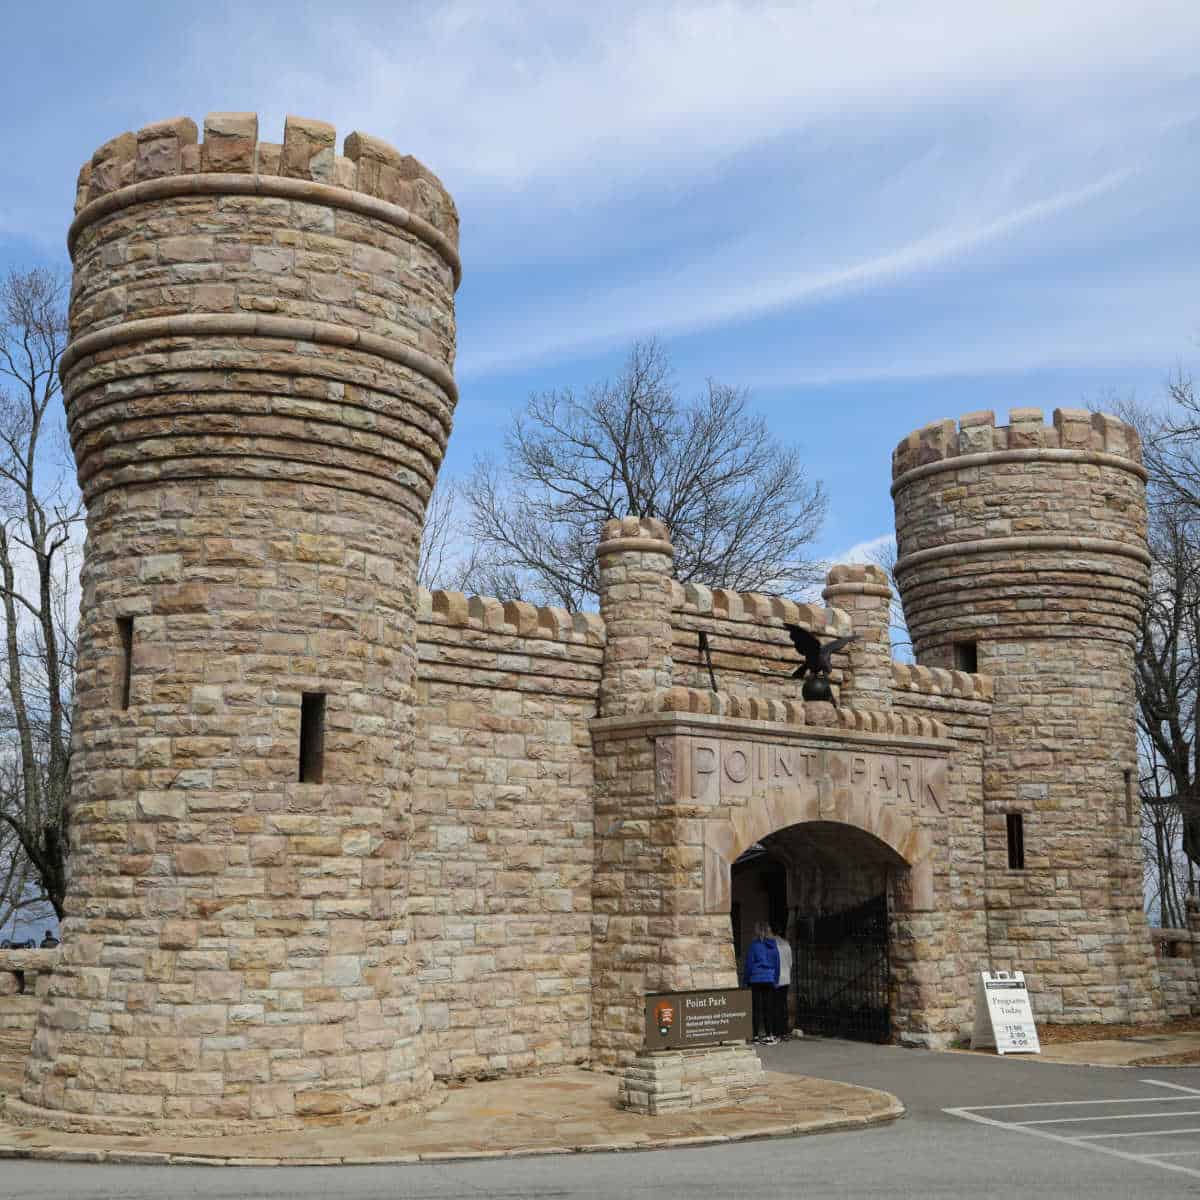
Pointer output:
312, 737
1129, 804
124, 677
1016, 841
966, 657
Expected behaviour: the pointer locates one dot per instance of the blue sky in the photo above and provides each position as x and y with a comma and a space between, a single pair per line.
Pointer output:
871, 214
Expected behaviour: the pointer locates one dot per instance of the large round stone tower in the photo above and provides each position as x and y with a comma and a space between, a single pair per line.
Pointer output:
1022, 554
259, 389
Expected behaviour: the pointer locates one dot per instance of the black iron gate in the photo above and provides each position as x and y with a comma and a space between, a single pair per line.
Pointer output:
841, 973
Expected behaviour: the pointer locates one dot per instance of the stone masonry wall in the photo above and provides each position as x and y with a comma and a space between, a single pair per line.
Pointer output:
749, 646
501, 868
24, 982
962, 704
1029, 542
259, 389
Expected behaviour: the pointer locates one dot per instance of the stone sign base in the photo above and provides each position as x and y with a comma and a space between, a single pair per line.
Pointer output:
669, 1081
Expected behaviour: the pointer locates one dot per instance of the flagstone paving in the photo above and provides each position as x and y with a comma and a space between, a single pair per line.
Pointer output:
569, 1111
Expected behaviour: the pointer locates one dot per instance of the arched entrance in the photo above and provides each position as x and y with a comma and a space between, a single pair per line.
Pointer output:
829, 888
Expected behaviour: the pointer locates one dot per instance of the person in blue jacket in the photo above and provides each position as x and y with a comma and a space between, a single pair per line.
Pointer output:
762, 974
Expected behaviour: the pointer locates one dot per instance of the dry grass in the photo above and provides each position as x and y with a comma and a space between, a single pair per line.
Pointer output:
1052, 1034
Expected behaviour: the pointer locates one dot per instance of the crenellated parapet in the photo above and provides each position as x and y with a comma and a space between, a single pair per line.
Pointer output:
1026, 529
758, 608
1075, 431
813, 715
937, 681
168, 158
510, 618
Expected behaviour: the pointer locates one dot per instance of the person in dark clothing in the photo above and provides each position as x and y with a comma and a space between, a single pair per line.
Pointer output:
762, 974
49, 941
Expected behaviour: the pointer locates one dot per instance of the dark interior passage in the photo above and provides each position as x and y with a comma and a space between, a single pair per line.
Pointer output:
825, 887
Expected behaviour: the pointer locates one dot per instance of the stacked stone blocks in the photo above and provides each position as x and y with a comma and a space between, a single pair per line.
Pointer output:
259, 390
1027, 544
512, 822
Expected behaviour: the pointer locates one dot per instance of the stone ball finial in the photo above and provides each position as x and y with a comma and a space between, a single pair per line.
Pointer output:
861, 579
647, 534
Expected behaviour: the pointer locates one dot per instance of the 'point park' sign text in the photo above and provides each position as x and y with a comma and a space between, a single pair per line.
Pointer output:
720, 768
683, 1020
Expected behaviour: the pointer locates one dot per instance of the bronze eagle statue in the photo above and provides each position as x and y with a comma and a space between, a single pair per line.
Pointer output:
817, 659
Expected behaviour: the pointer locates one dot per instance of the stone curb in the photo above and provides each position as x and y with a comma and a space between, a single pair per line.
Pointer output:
74, 1154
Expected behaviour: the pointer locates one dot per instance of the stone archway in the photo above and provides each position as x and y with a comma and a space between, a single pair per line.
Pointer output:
727, 838
831, 892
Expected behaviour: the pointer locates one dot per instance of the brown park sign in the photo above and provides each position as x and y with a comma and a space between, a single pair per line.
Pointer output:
683, 1020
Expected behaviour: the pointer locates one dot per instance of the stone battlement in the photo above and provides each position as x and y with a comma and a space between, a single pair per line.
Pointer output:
514, 618
937, 681
694, 599
806, 713
1071, 429
166, 158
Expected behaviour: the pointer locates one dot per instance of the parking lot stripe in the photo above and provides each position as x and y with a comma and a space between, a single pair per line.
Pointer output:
968, 1115
1191, 1112
1063, 1103
1178, 1087
1091, 1137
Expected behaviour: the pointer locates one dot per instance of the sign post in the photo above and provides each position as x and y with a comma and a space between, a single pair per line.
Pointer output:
1003, 1015
687, 1020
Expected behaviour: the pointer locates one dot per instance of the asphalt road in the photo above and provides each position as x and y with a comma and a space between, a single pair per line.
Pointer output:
1091, 1132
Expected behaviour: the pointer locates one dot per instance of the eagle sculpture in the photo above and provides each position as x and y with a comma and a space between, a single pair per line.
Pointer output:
817, 659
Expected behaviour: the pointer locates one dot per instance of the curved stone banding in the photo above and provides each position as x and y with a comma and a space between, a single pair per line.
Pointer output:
993, 458
237, 325
304, 190
1022, 550
1017, 545
259, 391
643, 545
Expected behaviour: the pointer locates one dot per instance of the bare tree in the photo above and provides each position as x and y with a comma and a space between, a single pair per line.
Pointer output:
448, 555
884, 556
1168, 649
40, 515
741, 508
1168, 713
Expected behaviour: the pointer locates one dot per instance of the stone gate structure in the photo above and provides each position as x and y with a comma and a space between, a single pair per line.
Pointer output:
336, 839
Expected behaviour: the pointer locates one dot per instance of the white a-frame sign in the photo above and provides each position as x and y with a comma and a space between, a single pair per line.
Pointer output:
1003, 1016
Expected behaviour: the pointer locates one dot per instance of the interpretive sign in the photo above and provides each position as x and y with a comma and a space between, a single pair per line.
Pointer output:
683, 1020
1003, 1015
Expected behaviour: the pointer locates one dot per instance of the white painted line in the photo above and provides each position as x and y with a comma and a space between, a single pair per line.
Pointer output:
967, 1115
1177, 1087
1091, 1137
1173, 1154
1191, 1112
1071, 1103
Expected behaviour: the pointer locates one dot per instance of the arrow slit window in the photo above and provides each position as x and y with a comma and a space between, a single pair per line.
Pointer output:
312, 737
1016, 841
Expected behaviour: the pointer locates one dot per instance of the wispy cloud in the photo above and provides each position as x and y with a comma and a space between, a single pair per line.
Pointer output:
868, 551
701, 295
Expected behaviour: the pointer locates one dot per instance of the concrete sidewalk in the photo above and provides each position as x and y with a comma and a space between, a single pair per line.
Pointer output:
1145, 1050
568, 1112
1127, 1052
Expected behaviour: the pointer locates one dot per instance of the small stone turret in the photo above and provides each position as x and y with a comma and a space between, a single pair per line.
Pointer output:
635, 555
862, 590
1022, 554
259, 390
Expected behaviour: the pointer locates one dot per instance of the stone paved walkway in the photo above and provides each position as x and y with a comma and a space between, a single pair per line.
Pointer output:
570, 1111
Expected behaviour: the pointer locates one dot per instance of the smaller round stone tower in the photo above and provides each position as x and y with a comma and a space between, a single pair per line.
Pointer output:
1022, 554
259, 389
